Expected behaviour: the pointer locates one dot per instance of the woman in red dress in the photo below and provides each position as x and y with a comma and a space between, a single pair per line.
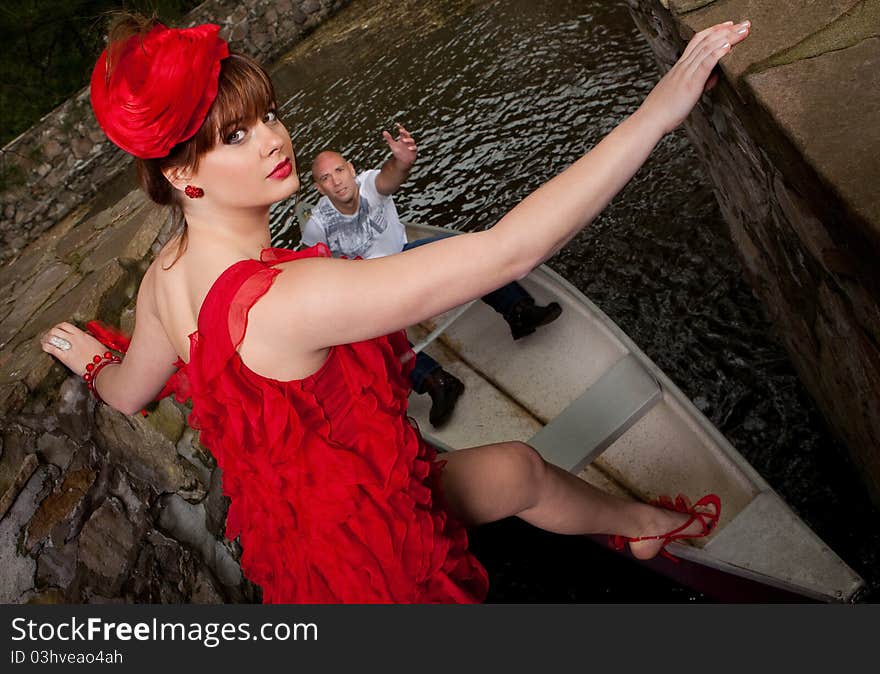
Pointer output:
293, 360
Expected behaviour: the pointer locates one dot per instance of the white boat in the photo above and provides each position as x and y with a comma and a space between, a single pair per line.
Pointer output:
587, 398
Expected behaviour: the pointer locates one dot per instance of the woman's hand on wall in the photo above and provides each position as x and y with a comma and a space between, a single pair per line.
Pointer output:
72, 346
675, 95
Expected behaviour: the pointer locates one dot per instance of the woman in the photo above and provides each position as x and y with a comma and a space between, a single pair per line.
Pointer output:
293, 359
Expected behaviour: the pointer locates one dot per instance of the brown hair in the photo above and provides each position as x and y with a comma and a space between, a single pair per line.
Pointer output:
244, 95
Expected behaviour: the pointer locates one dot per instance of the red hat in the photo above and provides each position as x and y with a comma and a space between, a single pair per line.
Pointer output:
160, 88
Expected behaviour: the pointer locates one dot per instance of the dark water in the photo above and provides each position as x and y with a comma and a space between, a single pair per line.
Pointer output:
502, 95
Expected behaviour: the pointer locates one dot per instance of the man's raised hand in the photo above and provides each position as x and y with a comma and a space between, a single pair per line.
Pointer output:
403, 148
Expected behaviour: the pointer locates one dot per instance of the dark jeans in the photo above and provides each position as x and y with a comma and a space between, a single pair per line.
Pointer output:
502, 300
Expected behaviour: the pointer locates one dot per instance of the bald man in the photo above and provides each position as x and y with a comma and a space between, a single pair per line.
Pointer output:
356, 217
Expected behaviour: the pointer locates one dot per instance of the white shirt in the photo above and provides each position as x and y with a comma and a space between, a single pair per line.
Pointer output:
374, 231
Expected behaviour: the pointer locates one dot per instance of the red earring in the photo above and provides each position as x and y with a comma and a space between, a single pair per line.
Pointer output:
194, 192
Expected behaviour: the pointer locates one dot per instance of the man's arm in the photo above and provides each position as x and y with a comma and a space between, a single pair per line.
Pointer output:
396, 169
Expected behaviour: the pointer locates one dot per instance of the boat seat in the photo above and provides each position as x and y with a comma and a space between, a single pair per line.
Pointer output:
598, 416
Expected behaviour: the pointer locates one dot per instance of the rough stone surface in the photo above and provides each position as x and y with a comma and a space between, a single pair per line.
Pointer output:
151, 454
21, 269
57, 506
19, 568
199, 458
72, 417
84, 539
791, 140
55, 449
682, 6
26, 468
107, 547
13, 396
216, 505
777, 25
825, 103
31, 297
186, 522
17, 444
82, 303
163, 567
56, 567
204, 590
129, 241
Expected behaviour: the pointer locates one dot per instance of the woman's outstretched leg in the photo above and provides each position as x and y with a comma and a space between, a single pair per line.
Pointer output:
491, 482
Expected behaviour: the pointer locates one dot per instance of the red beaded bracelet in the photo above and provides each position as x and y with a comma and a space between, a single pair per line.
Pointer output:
92, 369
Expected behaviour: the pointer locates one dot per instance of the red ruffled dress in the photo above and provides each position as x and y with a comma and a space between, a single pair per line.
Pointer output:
334, 492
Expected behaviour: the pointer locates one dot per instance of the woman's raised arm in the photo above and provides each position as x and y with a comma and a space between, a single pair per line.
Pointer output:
317, 303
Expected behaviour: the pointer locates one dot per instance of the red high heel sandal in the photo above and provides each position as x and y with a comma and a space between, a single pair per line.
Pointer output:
708, 520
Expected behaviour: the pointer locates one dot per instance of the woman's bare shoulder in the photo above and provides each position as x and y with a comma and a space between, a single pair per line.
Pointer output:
167, 291
158, 276
180, 279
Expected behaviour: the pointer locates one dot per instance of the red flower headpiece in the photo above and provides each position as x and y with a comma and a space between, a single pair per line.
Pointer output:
160, 88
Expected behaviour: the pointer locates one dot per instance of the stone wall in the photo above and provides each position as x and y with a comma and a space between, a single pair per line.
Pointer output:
96, 506
65, 159
791, 141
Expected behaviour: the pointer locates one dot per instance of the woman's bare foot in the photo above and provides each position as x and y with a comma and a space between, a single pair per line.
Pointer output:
666, 521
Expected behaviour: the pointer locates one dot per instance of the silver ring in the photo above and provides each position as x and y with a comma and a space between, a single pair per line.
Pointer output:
60, 342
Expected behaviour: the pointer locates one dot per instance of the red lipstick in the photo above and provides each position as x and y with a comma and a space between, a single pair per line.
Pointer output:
280, 172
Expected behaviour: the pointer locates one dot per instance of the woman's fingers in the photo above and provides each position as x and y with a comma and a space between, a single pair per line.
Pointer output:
709, 46
711, 50
710, 54
670, 102
707, 58
60, 342
708, 41
45, 344
62, 335
719, 36
697, 39
72, 346
67, 327
56, 342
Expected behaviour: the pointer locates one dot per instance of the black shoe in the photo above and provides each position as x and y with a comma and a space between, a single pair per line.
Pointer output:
528, 316
444, 390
